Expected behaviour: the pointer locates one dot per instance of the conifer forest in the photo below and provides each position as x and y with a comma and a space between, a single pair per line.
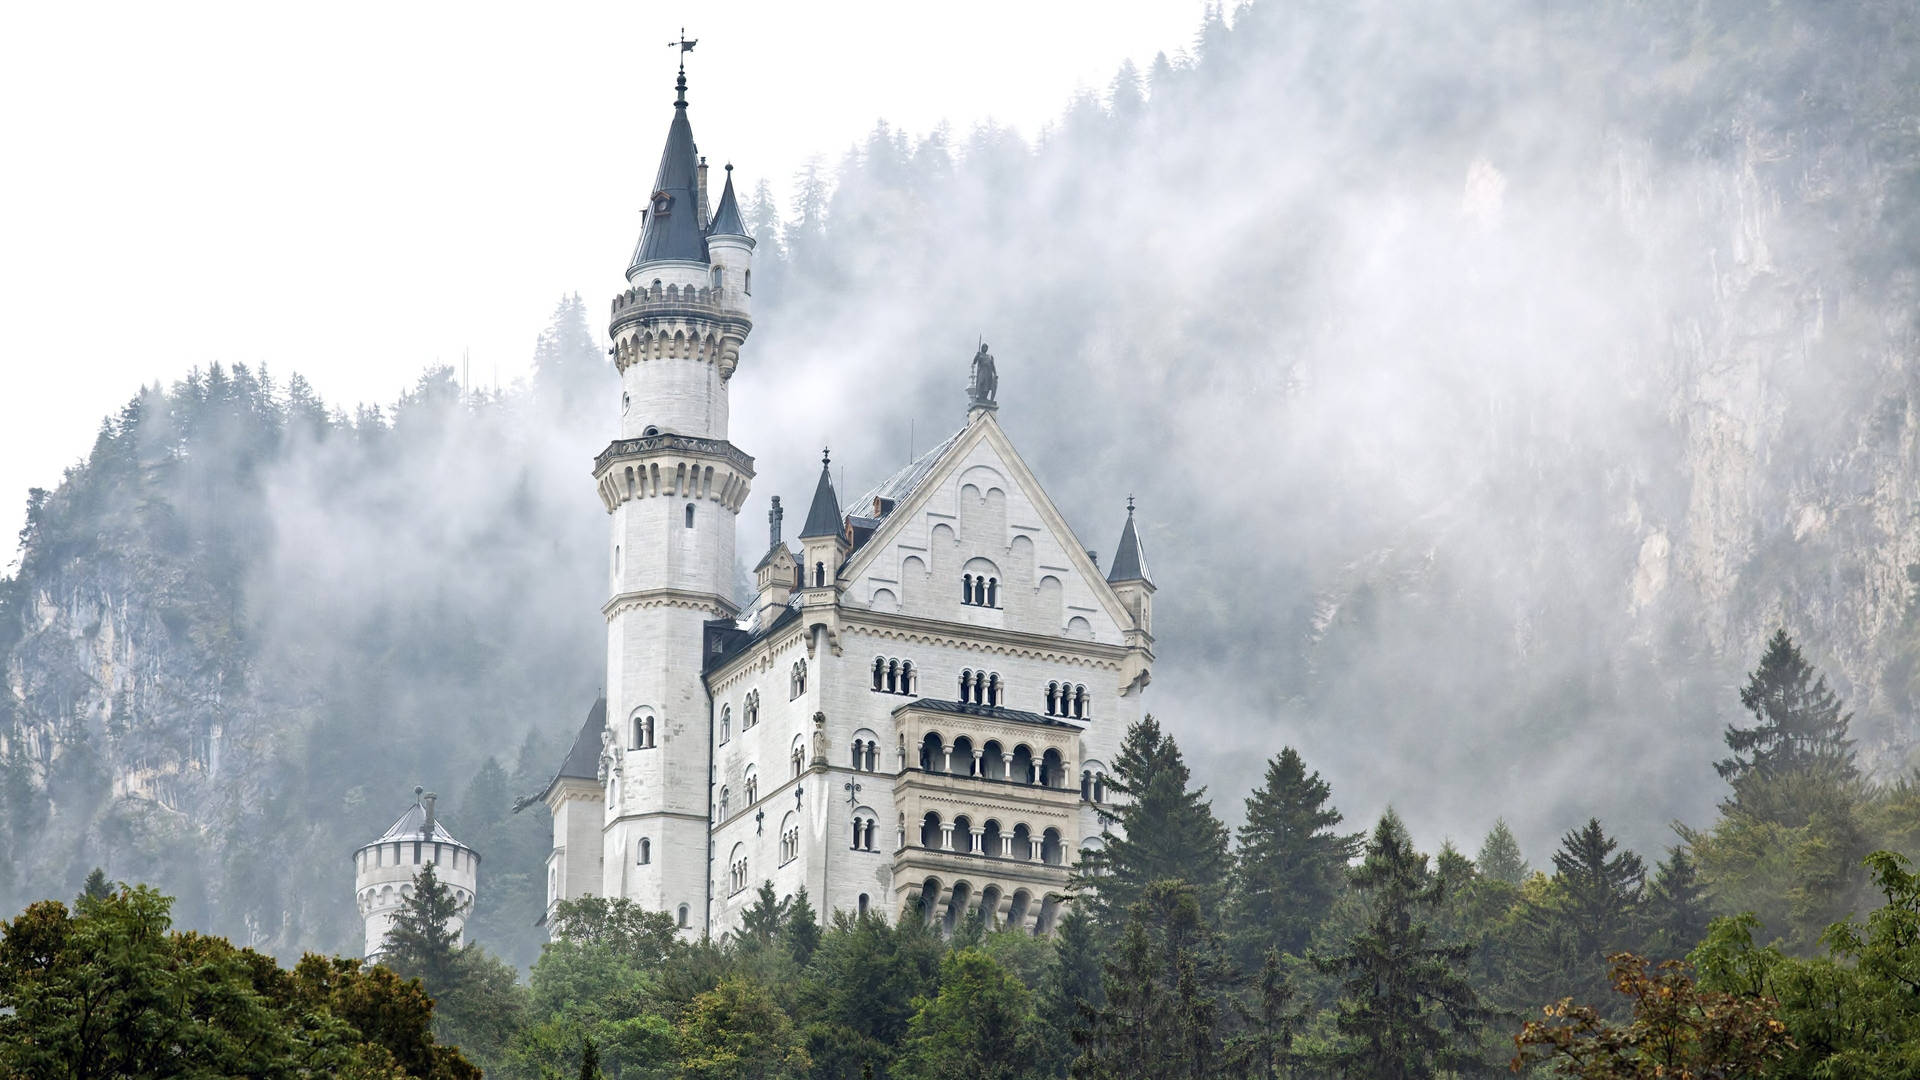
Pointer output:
1523, 404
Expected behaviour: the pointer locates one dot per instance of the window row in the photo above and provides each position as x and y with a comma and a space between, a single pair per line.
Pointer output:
866, 755
863, 829
789, 845
891, 676
979, 590
987, 839
797, 679
980, 687
750, 715
991, 761
1066, 699
737, 876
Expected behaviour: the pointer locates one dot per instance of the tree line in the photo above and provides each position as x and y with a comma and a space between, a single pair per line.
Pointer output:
1289, 947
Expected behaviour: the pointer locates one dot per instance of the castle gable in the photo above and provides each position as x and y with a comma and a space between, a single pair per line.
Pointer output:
974, 539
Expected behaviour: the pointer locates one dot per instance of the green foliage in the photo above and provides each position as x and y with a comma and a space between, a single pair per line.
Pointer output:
1593, 909
1500, 857
1851, 1014
1157, 829
424, 942
1405, 1010
111, 991
640, 937
1290, 861
1676, 908
981, 1024
1165, 987
736, 1032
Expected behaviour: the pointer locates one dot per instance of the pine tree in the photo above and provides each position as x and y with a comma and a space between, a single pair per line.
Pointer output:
1074, 987
1593, 910
802, 933
1164, 989
95, 888
1798, 726
1156, 829
423, 942
1500, 857
1676, 907
1264, 1050
1290, 861
763, 921
1405, 1012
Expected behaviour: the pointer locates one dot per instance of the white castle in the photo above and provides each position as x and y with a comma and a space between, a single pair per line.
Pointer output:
917, 710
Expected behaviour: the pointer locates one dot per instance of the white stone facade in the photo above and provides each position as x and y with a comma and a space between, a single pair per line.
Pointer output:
384, 871
919, 708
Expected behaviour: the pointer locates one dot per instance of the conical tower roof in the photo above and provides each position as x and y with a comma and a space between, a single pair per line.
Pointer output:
823, 517
674, 229
1129, 561
726, 219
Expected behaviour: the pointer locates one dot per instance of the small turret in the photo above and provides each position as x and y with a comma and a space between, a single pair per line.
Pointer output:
384, 871
731, 251
1129, 576
777, 572
823, 540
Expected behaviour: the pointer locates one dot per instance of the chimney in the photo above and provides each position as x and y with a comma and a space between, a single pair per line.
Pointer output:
706, 215
426, 829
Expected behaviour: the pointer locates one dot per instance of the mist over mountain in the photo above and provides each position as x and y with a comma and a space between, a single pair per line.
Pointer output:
1493, 379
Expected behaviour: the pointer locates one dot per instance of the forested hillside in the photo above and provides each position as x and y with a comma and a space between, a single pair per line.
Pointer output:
1495, 379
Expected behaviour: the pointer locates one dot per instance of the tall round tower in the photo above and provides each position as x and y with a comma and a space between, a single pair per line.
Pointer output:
672, 485
384, 870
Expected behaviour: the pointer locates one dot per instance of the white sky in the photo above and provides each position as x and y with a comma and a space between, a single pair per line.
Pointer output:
356, 190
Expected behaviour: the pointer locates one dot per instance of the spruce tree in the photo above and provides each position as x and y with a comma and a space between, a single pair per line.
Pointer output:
802, 932
1157, 828
1593, 910
423, 942
1164, 987
1290, 860
1405, 1011
95, 888
1676, 907
1798, 726
1500, 857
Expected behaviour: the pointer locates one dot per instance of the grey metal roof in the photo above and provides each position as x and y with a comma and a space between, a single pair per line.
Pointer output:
902, 484
1129, 561
726, 218
990, 712
823, 517
411, 824
583, 757
674, 229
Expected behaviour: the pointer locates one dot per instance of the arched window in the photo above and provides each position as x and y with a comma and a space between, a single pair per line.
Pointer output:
1079, 701
863, 905
1053, 697
893, 676
650, 743
646, 851
819, 575
993, 689
689, 515
726, 723
752, 786
746, 280
753, 709
725, 800
993, 589
879, 671
797, 757
683, 916
716, 279
906, 676
966, 588
966, 686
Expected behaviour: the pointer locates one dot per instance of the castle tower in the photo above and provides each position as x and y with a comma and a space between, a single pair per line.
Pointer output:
672, 485
384, 871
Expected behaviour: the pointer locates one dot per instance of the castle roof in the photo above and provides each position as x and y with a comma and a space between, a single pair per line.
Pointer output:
726, 218
1129, 561
412, 826
583, 757
897, 488
823, 517
674, 229
990, 712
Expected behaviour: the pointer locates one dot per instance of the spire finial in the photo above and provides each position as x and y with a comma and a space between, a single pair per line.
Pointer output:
1129, 506
826, 457
774, 517
685, 47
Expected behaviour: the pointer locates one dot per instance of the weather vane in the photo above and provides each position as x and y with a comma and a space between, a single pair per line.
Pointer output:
685, 47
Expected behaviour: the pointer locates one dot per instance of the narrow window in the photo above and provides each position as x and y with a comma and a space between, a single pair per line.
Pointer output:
820, 575
863, 903
746, 280
906, 676
646, 851
689, 515
966, 589
893, 677
993, 591
683, 916
878, 667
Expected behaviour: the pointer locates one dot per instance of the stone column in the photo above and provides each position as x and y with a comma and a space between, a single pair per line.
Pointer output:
946, 758
1006, 845
946, 836
978, 769
979, 846
1034, 849
1007, 759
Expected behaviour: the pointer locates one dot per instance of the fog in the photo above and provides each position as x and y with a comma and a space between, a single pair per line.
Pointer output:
1492, 378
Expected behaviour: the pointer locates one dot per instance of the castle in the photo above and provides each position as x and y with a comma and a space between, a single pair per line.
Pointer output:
916, 710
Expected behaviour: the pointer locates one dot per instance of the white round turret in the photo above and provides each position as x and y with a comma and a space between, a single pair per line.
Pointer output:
384, 870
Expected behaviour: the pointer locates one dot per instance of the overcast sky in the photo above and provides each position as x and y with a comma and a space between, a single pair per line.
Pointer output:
354, 191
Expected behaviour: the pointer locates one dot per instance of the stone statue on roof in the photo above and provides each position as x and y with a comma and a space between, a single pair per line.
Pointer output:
986, 383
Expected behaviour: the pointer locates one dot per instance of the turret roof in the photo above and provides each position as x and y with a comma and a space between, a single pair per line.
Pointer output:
412, 824
823, 517
726, 218
674, 229
1130, 561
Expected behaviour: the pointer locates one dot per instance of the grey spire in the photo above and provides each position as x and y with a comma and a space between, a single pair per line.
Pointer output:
774, 517
726, 219
1129, 562
674, 229
823, 517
